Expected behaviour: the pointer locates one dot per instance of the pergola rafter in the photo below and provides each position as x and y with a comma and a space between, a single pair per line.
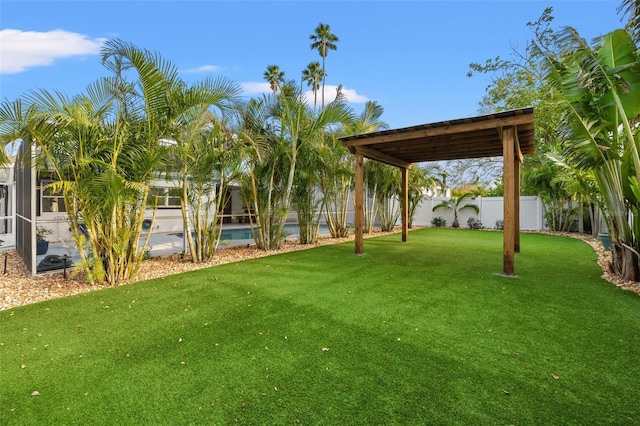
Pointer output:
508, 134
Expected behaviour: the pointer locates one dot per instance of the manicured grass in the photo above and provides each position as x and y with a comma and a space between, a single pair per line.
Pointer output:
424, 332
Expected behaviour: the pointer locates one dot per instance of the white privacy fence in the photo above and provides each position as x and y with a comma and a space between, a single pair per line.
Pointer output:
491, 210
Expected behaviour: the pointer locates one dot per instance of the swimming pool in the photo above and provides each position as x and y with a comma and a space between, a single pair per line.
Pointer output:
245, 233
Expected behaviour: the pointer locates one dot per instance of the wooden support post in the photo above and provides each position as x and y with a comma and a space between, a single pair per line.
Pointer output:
405, 204
509, 224
359, 202
516, 216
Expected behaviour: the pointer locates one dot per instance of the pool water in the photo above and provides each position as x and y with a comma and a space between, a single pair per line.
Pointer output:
245, 233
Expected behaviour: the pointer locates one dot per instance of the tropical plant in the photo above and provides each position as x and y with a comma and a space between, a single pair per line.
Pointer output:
103, 148
306, 199
581, 186
323, 41
274, 76
455, 205
631, 8
519, 82
313, 75
474, 223
203, 159
438, 222
275, 129
600, 90
208, 166
383, 185
336, 176
554, 185
260, 185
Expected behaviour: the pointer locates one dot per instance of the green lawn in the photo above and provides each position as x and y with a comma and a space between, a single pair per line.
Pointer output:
424, 332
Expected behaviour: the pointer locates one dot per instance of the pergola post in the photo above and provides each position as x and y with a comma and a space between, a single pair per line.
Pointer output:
359, 202
516, 216
509, 220
404, 203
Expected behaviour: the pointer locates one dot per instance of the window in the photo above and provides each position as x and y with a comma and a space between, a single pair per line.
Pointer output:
168, 198
50, 201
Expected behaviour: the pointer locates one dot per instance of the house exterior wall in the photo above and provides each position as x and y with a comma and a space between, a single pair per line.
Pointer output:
167, 220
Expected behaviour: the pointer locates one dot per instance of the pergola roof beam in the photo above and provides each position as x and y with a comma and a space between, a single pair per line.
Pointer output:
382, 157
437, 129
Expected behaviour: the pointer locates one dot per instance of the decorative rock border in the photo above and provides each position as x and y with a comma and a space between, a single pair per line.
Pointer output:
18, 287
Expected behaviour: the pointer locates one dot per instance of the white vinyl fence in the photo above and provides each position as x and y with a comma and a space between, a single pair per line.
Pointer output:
491, 210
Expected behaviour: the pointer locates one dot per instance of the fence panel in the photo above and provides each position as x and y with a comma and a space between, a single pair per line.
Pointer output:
491, 210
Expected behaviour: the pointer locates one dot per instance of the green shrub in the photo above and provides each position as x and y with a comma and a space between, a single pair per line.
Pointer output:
474, 223
439, 222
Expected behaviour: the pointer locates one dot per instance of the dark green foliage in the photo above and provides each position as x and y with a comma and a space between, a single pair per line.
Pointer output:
474, 223
439, 222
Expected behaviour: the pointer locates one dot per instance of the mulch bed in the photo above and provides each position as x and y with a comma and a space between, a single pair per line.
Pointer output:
18, 287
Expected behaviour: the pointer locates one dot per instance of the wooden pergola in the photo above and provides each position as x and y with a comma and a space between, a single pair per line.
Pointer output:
509, 134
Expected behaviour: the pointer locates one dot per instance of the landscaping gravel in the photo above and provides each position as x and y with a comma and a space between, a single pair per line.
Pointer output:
18, 287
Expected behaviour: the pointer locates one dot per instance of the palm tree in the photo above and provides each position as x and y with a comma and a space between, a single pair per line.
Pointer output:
552, 183
274, 77
202, 159
275, 130
369, 120
102, 149
632, 8
383, 184
455, 205
312, 75
335, 166
323, 41
305, 200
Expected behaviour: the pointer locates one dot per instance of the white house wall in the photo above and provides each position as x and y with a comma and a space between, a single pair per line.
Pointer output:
167, 220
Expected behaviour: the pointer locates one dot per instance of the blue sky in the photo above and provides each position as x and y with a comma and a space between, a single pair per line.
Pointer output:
410, 57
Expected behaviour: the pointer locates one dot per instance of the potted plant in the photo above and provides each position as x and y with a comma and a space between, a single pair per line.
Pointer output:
42, 245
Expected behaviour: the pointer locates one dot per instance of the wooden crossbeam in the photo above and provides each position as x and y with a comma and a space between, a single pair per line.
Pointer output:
438, 131
384, 158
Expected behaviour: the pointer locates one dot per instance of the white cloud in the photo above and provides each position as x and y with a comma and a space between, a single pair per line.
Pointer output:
202, 69
20, 50
255, 87
330, 93
351, 95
